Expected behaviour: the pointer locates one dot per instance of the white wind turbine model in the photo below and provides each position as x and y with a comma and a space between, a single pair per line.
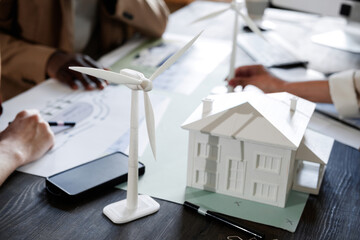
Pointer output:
135, 206
236, 7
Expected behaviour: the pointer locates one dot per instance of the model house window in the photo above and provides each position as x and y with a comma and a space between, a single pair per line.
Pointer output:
208, 151
236, 176
265, 191
201, 150
207, 179
213, 152
268, 163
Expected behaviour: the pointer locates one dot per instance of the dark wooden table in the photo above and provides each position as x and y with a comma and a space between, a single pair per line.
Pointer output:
27, 212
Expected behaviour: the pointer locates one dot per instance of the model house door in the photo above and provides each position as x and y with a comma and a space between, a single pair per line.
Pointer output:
236, 175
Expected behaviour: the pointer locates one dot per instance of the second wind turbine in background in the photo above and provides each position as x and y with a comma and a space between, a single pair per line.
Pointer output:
236, 6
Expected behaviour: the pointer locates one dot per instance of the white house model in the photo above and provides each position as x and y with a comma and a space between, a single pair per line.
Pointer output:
255, 146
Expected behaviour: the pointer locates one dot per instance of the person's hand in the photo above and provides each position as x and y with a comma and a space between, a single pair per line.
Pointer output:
27, 138
258, 76
58, 68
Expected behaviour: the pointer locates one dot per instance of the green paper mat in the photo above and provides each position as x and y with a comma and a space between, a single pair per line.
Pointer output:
165, 177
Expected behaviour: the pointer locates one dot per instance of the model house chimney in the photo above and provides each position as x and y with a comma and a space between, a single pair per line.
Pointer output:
293, 103
207, 105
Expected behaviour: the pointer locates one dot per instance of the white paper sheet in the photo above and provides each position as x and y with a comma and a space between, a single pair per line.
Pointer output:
102, 118
338, 131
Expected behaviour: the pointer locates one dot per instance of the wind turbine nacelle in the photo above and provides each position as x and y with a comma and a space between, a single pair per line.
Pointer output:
145, 85
132, 73
237, 4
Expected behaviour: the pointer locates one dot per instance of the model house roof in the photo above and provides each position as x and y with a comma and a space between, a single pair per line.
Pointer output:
315, 147
256, 117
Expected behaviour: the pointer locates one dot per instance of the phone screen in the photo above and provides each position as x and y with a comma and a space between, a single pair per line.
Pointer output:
111, 168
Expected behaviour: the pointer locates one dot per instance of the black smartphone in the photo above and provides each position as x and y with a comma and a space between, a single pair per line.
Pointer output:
91, 177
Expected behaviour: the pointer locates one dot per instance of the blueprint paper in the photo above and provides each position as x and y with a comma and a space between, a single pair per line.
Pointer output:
102, 122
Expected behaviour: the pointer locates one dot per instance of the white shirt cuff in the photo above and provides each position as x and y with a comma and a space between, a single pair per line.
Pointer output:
344, 92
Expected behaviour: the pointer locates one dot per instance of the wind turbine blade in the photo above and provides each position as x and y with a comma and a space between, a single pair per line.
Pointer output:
150, 122
211, 15
173, 58
251, 24
107, 75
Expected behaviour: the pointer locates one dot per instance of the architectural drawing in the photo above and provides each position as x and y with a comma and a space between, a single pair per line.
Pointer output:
255, 146
99, 123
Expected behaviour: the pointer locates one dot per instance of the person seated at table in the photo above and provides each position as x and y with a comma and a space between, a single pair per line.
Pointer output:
25, 140
41, 38
342, 89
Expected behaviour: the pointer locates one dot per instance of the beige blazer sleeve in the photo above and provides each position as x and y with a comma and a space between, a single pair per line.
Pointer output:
23, 61
345, 92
